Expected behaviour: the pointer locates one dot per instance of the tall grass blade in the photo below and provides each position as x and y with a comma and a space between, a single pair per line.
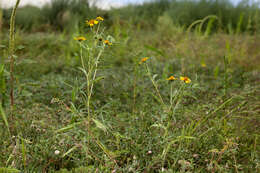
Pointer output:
23, 153
210, 24
239, 24
4, 118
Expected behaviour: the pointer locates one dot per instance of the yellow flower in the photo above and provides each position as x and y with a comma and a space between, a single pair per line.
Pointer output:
203, 65
80, 38
100, 18
143, 60
171, 78
185, 79
91, 22
107, 42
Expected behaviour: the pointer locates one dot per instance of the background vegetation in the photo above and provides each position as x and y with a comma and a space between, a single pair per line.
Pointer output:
67, 14
214, 126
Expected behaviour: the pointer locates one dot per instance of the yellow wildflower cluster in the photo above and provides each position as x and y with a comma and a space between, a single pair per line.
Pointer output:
184, 79
107, 42
171, 78
99, 18
93, 22
81, 38
143, 60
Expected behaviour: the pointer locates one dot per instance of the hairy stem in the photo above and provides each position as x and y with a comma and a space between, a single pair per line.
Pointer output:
11, 52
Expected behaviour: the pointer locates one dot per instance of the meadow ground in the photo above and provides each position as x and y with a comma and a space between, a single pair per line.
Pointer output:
141, 122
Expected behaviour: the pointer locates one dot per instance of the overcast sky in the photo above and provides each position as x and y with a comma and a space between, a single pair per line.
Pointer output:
105, 4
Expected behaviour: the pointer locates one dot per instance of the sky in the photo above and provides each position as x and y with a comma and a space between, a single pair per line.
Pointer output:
104, 4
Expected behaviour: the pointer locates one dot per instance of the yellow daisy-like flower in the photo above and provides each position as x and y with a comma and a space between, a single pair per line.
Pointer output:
91, 22
80, 38
107, 42
143, 60
185, 79
203, 65
171, 78
100, 18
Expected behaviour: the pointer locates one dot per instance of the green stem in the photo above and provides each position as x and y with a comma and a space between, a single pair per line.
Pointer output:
81, 57
95, 72
177, 96
11, 53
154, 84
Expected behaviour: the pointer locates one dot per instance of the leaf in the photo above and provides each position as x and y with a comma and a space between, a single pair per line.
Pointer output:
117, 134
71, 126
105, 150
100, 125
9, 170
69, 151
159, 125
99, 78
23, 152
4, 117
28, 61
216, 71
84, 71
154, 76
160, 52
2, 46
20, 47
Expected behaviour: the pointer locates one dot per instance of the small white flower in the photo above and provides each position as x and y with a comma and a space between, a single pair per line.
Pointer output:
149, 152
56, 152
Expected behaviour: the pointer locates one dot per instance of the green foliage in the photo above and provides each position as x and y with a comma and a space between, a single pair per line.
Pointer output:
132, 130
29, 17
59, 15
184, 13
140, 122
68, 14
8, 170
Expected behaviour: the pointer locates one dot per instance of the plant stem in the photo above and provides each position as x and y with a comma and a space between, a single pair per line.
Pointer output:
154, 84
11, 53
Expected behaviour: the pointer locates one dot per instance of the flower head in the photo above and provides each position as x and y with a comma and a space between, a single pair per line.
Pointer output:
143, 60
185, 79
203, 65
80, 38
171, 78
100, 18
91, 22
107, 42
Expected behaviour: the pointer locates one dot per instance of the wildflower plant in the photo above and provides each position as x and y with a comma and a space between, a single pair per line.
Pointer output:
90, 56
91, 49
176, 95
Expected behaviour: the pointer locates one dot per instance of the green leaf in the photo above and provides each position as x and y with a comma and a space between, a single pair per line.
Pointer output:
100, 125
69, 151
159, 126
4, 117
71, 126
20, 47
160, 52
23, 152
9, 170
2, 46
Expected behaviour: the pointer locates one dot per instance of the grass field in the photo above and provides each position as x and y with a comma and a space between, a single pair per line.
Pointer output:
109, 103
